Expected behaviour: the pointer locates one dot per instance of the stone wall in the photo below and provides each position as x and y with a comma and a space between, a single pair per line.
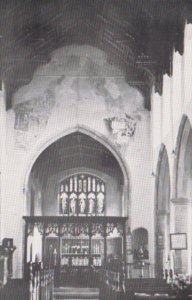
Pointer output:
169, 111
78, 90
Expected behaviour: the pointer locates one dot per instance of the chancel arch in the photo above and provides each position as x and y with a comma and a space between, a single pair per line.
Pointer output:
95, 136
75, 142
78, 190
162, 208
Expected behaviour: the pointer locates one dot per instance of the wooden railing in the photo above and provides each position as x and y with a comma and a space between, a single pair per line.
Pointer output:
149, 288
112, 285
41, 283
3, 271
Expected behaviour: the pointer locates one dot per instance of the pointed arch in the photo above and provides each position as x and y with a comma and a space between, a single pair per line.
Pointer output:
185, 130
162, 178
99, 138
162, 210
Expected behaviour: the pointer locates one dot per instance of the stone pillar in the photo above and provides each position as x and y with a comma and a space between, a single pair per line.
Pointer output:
2, 155
156, 119
162, 241
166, 110
188, 68
177, 89
182, 213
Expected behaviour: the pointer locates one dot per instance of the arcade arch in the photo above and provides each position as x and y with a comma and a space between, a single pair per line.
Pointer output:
183, 161
162, 208
183, 193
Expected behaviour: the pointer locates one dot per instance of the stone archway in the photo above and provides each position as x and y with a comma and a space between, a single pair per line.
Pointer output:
162, 209
140, 238
68, 156
183, 140
100, 139
182, 193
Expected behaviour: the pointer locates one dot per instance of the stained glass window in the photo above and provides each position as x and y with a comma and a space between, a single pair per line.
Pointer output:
82, 195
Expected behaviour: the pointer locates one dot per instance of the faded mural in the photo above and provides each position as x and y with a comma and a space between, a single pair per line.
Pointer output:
80, 78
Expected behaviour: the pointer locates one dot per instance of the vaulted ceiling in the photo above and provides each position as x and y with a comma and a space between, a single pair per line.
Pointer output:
137, 34
74, 151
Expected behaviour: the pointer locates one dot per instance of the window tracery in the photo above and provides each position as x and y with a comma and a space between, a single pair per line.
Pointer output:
82, 195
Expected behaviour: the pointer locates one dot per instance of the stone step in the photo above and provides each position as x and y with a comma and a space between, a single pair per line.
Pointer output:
75, 298
76, 289
75, 293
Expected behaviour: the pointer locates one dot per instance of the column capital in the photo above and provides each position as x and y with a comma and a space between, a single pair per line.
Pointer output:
181, 201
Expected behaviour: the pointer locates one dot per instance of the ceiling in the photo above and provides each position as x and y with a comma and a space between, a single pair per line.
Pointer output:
138, 34
74, 151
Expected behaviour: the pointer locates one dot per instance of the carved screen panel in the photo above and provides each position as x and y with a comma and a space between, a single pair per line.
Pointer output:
82, 195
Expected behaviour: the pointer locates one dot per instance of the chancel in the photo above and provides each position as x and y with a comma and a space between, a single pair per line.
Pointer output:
95, 149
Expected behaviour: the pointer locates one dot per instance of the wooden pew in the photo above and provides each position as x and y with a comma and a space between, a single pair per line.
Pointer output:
157, 289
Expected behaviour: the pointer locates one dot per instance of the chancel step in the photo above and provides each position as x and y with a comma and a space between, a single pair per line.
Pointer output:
74, 293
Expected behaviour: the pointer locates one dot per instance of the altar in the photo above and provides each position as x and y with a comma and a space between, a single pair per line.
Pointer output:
77, 247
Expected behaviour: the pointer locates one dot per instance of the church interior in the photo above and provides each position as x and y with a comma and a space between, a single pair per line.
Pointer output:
95, 148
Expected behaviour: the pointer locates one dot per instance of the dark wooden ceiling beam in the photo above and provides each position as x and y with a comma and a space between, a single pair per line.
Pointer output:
126, 31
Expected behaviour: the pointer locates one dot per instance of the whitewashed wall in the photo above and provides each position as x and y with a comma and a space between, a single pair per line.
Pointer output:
166, 116
55, 103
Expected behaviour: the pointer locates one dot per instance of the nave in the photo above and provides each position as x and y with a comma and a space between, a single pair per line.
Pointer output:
132, 289
95, 149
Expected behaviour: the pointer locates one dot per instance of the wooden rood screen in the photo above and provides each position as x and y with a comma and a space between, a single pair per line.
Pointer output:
76, 247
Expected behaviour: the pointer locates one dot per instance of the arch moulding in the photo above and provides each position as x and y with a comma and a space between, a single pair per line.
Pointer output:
96, 136
182, 137
162, 153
